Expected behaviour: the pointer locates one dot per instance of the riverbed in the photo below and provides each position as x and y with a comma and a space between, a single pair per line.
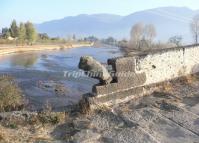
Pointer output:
42, 74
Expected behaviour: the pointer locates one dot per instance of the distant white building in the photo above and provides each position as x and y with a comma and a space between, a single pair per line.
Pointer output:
10, 38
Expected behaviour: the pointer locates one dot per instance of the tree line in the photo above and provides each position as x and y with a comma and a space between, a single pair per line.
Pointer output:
24, 33
143, 36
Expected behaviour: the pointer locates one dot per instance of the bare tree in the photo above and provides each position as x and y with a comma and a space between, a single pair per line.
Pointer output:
136, 35
149, 33
142, 36
195, 28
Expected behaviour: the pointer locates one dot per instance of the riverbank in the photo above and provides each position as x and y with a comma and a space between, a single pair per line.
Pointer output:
170, 114
9, 49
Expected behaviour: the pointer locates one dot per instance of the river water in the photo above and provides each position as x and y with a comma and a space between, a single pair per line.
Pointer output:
41, 74
58, 59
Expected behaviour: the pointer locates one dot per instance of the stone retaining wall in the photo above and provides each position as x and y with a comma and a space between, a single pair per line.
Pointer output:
145, 69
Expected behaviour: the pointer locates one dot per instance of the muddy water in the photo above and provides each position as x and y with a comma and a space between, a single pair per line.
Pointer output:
41, 74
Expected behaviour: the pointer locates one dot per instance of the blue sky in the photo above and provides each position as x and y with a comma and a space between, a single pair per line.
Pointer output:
39, 11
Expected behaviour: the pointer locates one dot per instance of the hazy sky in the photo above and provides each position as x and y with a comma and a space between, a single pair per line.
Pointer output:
38, 11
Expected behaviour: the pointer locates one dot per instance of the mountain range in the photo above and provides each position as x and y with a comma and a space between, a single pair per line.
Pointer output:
168, 21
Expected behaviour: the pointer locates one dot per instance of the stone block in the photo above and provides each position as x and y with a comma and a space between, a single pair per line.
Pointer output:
123, 64
122, 84
115, 98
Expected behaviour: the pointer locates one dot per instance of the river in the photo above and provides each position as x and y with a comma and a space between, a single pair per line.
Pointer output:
41, 74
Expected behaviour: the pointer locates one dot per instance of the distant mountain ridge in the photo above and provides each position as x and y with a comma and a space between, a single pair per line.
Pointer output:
169, 21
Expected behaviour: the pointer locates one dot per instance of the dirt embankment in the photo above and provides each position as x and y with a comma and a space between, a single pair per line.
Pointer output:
8, 49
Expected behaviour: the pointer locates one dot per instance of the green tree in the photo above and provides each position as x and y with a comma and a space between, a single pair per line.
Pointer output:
74, 37
43, 36
31, 34
5, 33
22, 33
110, 41
91, 39
14, 29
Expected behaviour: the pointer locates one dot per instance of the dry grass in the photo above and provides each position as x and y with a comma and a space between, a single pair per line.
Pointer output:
84, 106
167, 87
2, 136
31, 127
10, 94
102, 108
52, 117
25, 135
48, 116
190, 79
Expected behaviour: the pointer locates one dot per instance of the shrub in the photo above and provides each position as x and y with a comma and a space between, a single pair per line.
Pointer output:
52, 117
10, 94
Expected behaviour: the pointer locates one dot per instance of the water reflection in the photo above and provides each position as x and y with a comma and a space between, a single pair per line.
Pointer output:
55, 61
25, 60
29, 69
